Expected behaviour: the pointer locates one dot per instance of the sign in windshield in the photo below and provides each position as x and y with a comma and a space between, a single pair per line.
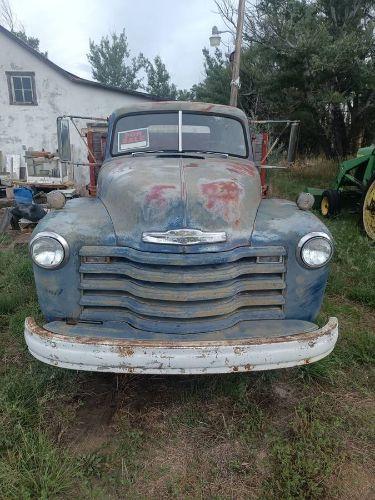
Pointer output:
179, 132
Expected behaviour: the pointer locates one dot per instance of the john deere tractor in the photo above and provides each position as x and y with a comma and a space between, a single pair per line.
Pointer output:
354, 186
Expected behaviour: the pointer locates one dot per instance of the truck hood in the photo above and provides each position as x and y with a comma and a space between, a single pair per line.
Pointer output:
147, 194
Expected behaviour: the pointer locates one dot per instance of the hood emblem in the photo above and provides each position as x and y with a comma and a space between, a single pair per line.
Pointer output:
184, 237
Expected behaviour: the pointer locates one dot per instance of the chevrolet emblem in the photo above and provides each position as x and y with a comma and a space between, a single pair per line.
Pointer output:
184, 237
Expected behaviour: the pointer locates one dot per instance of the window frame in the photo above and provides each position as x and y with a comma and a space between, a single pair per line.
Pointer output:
12, 98
144, 112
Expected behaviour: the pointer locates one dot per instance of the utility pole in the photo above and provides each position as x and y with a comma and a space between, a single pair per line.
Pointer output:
235, 83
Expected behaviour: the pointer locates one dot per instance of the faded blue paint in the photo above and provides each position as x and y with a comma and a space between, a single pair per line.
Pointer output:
280, 222
81, 220
162, 193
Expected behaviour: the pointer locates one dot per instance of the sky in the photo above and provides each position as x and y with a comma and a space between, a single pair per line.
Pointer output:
177, 30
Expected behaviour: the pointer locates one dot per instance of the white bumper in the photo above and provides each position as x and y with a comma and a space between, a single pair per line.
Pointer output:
136, 356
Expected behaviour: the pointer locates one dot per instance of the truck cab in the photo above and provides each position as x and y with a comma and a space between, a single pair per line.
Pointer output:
178, 265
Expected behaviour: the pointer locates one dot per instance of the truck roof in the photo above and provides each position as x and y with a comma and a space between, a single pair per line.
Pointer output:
202, 107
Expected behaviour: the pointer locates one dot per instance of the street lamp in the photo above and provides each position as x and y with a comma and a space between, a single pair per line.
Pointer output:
215, 40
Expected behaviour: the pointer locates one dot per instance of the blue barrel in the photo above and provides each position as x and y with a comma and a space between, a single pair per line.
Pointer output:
23, 195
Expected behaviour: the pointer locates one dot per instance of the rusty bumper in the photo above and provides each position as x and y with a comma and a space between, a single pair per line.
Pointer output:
182, 357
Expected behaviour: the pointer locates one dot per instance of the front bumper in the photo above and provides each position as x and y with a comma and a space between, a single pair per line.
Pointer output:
179, 357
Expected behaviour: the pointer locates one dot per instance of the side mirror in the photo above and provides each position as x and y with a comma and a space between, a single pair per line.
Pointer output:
63, 139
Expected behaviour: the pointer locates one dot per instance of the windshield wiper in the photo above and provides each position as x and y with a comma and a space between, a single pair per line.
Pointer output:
215, 153
152, 152
181, 153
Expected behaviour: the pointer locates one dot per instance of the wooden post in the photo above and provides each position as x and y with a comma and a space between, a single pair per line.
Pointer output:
237, 55
263, 171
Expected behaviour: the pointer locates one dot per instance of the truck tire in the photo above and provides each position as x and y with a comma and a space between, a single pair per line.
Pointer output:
330, 203
368, 209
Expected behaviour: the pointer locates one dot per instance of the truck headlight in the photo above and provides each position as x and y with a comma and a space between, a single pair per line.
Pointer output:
49, 250
315, 250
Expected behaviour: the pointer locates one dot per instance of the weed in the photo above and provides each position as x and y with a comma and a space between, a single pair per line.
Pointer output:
92, 464
35, 468
304, 455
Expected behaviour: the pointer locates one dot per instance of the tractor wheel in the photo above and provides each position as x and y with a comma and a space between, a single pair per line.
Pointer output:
330, 203
368, 210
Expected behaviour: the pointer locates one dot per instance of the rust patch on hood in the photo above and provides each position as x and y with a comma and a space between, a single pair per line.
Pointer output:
242, 169
157, 195
223, 198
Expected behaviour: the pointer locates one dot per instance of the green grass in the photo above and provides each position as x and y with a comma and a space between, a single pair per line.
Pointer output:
300, 433
305, 454
35, 468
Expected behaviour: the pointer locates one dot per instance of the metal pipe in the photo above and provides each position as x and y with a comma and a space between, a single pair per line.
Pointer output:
85, 118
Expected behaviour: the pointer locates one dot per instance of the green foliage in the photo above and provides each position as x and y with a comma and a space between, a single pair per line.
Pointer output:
32, 41
216, 84
304, 456
185, 95
159, 80
111, 63
310, 61
9, 19
35, 468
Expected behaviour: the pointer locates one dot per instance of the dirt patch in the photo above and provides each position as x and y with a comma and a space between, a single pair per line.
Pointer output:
93, 427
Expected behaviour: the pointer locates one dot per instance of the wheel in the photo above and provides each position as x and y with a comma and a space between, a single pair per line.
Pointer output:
368, 210
330, 203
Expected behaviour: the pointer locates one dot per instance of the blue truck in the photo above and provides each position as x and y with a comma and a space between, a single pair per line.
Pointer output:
178, 265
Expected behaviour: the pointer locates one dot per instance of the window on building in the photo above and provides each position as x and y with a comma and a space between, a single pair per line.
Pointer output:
21, 87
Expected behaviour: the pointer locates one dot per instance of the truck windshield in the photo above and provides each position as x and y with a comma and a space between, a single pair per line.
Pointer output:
179, 132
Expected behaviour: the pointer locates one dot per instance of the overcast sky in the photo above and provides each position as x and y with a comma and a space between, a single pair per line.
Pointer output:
177, 30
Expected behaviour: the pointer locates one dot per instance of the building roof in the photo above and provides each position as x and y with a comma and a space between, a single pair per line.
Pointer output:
71, 76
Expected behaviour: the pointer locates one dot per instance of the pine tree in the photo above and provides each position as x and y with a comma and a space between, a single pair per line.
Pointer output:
111, 63
159, 80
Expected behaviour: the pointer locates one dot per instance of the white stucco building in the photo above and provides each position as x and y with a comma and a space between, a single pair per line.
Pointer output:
34, 92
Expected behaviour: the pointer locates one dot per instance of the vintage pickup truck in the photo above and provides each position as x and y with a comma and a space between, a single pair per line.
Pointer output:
178, 266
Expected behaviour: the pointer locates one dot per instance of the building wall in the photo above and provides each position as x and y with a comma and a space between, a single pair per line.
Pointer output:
25, 126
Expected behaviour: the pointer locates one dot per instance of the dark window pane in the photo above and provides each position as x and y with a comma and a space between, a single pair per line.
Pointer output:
17, 82
28, 95
212, 133
144, 132
18, 97
26, 82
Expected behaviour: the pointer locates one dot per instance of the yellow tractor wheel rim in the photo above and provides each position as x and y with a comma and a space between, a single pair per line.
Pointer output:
324, 206
368, 212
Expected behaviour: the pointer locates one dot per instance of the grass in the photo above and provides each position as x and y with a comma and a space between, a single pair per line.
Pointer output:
300, 433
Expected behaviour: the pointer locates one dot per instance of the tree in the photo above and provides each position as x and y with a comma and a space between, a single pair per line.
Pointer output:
111, 63
216, 84
316, 61
32, 41
159, 80
9, 19
185, 95
310, 60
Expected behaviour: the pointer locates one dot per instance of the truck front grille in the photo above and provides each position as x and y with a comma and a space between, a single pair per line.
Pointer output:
182, 293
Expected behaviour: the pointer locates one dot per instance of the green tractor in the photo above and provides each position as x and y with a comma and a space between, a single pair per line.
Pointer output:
354, 185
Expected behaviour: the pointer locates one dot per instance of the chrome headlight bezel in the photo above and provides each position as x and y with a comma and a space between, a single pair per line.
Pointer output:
308, 237
54, 236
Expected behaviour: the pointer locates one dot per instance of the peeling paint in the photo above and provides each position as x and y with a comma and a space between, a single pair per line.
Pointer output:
183, 357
